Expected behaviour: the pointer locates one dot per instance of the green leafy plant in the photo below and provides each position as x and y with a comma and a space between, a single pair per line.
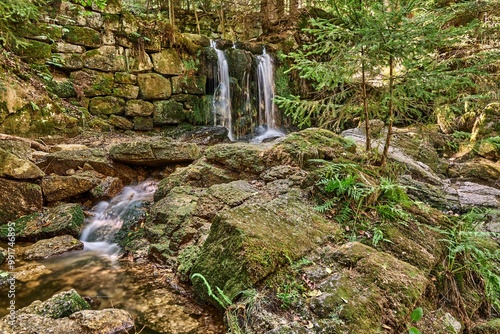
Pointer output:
99, 3
222, 300
416, 315
470, 261
351, 196
13, 12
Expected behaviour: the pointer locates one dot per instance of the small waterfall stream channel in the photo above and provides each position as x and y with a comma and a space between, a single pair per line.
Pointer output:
107, 278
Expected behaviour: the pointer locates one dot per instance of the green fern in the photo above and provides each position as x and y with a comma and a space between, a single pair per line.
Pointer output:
467, 253
223, 302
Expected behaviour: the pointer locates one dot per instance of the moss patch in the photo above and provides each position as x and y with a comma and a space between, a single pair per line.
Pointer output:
249, 242
311, 143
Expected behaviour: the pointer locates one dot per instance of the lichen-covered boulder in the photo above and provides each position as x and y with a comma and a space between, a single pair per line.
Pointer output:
487, 124
39, 31
189, 84
91, 83
107, 105
238, 157
56, 188
298, 147
126, 91
93, 159
33, 51
198, 174
62, 87
168, 112
68, 61
489, 327
140, 63
19, 148
139, 108
153, 86
19, 199
60, 305
65, 219
154, 153
15, 168
207, 135
142, 123
439, 322
167, 62
108, 188
477, 170
125, 78
363, 288
120, 122
46, 248
107, 58
63, 47
249, 242
84, 36
171, 223
224, 196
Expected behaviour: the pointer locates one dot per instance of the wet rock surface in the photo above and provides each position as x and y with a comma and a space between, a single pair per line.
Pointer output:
59, 220
241, 215
46, 248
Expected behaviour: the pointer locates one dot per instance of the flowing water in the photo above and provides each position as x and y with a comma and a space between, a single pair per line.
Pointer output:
144, 289
222, 94
268, 112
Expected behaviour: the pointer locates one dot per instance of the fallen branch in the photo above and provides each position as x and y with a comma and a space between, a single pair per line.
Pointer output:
33, 144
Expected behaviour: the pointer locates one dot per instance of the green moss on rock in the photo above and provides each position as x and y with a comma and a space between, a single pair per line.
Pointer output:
238, 157
249, 242
84, 36
33, 51
311, 143
58, 306
61, 220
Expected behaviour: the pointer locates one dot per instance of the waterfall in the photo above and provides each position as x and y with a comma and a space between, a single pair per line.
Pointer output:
107, 218
222, 96
268, 118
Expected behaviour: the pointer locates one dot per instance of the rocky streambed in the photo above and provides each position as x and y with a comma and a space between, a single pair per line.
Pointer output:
241, 217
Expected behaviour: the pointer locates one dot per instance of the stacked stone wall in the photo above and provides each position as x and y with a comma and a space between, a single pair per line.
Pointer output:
131, 74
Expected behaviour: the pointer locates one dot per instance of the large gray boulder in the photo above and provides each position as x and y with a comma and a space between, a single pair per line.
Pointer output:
249, 242
154, 153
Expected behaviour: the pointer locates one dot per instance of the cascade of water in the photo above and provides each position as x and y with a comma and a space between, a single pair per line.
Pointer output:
268, 117
222, 95
246, 98
107, 217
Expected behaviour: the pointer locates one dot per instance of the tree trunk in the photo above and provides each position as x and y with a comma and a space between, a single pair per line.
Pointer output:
171, 17
265, 14
294, 7
365, 100
391, 112
195, 7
